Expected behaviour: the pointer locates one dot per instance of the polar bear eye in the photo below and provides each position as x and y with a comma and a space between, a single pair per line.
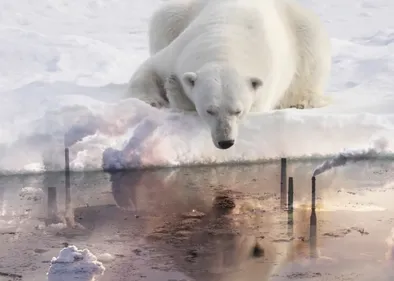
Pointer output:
235, 112
256, 83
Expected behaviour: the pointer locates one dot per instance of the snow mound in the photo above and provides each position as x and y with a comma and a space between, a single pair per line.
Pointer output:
106, 258
74, 264
32, 193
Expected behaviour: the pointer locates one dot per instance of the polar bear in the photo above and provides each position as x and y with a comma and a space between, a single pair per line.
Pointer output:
227, 58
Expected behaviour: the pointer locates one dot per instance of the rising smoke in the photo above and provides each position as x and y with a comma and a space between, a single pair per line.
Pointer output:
353, 155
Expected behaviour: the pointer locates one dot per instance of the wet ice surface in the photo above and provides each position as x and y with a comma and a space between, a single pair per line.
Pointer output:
208, 223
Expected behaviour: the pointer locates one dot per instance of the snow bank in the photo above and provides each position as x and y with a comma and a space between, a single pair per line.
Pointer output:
62, 78
131, 134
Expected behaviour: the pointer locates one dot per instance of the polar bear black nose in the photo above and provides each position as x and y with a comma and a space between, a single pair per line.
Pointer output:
226, 144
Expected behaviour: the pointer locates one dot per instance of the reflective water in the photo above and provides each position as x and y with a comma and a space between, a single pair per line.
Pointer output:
204, 223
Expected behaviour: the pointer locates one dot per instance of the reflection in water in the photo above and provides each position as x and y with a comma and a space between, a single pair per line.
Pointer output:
290, 208
217, 223
52, 205
313, 222
2, 201
283, 182
69, 212
212, 223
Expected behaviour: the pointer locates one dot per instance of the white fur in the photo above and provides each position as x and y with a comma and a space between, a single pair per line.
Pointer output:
206, 54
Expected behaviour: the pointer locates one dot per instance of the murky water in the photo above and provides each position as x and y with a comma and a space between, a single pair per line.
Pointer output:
204, 223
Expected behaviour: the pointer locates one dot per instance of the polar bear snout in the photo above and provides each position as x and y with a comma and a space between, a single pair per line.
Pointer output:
224, 133
226, 144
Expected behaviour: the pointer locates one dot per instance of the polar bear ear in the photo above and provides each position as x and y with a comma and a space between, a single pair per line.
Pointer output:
255, 83
190, 78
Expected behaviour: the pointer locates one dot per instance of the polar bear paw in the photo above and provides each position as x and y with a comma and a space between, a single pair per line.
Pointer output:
318, 101
298, 106
156, 102
315, 102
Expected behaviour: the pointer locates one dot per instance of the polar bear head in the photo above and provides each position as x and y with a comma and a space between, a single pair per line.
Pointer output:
222, 97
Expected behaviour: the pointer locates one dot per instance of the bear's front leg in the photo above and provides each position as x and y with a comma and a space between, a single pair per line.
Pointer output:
148, 87
303, 99
153, 101
176, 95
